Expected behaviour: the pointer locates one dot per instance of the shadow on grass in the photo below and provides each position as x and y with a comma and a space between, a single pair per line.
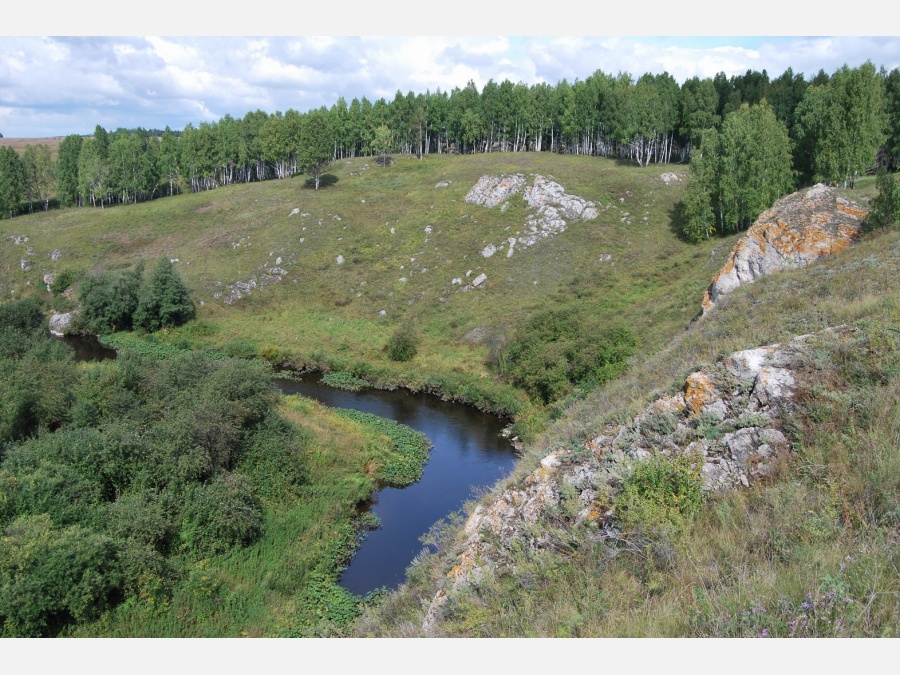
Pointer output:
326, 180
677, 221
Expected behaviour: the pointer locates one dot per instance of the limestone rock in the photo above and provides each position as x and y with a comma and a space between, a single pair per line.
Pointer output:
796, 231
492, 190
480, 279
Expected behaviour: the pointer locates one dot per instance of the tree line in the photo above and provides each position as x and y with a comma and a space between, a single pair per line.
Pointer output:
651, 119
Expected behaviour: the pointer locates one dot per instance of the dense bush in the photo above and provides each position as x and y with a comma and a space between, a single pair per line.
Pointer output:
121, 301
117, 478
37, 374
51, 577
109, 301
559, 349
403, 345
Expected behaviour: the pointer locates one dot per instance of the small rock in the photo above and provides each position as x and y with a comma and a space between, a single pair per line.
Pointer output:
382, 313
428, 229
488, 251
480, 279
340, 260
55, 254
668, 178
294, 212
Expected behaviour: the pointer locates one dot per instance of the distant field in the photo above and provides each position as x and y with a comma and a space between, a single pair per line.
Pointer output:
18, 144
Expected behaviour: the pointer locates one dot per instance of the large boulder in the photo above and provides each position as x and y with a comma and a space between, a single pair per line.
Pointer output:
60, 323
797, 230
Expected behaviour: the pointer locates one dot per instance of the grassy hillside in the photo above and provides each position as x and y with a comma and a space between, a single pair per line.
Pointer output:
625, 266
812, 553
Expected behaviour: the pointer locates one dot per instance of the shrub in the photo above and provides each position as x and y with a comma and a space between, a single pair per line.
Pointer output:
49, 577
403, 344
661, 491
220, 515
23, 315
559, 349
62, 281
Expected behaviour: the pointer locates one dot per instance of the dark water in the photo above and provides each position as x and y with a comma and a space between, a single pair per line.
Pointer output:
468, 453
88, 348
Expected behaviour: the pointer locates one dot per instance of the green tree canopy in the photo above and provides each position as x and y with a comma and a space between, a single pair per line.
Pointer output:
316, 145
841, 124
737, 174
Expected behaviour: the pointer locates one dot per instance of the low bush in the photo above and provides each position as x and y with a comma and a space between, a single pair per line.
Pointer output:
661, 490
403, 345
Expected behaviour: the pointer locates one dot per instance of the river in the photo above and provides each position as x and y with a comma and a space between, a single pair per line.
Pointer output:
468, 454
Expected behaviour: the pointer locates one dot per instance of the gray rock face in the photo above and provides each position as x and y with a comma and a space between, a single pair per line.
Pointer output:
60, 323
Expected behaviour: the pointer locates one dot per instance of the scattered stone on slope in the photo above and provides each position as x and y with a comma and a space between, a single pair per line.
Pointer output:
669, 177
550, 208
266, 276
796, 231
728, 416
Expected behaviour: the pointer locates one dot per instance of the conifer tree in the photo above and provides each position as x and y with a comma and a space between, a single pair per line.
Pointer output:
164, 302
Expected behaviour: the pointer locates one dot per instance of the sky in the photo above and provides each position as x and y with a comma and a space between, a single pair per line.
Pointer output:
54, 86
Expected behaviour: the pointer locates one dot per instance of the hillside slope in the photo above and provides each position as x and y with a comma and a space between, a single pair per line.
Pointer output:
810, 549
323, 278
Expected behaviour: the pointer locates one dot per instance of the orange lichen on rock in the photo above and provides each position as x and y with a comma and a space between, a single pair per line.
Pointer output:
797, 230
698, 391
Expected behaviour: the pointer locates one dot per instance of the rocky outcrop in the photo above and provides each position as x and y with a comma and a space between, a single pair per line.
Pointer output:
728, 417
796, 231
550, 209
493, 190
